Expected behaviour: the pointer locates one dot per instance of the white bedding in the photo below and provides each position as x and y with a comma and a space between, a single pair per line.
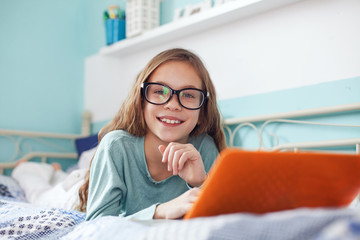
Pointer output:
43, 186
20, 220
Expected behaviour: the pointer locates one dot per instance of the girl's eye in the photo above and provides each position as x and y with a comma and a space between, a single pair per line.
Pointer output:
162, 91
188, 95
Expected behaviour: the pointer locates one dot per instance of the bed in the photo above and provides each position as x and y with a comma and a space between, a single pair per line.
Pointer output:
22, 220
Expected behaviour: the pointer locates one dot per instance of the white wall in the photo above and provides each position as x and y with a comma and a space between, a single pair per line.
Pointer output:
305, 43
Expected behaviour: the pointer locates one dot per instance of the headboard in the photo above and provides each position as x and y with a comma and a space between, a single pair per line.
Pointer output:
232, 127
54, 143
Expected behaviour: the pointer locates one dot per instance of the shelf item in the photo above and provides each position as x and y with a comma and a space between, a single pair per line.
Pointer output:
211, 18
141, 16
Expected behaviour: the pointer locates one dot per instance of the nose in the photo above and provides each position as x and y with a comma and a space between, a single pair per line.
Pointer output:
173, 103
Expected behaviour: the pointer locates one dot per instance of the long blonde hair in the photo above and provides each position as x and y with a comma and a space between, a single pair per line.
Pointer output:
130, 117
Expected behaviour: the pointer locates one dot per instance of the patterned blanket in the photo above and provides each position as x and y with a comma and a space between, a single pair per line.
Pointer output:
24, 221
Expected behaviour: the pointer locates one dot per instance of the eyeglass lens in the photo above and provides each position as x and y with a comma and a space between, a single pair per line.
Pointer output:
189, 98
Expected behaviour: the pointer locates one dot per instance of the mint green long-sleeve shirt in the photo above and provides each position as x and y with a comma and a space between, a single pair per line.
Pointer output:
120, 182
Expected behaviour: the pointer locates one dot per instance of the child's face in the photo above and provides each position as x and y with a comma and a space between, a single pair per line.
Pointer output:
171, 122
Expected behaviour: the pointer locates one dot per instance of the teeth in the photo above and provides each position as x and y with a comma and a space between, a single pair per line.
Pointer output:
170, 121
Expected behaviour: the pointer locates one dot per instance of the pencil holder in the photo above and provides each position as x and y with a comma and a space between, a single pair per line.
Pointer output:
115, 30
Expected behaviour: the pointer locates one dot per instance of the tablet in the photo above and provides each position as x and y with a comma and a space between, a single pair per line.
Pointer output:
261, 182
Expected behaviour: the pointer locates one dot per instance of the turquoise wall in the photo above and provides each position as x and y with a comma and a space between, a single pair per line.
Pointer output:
41, 65
343, 91
43, 46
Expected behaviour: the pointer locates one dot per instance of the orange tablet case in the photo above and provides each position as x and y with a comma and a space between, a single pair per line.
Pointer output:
261, 182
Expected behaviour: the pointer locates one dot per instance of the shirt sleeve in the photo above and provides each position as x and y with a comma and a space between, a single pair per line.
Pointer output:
106, 188
145, 214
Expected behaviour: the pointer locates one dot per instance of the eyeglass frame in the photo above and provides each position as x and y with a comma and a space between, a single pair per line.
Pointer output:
172, 92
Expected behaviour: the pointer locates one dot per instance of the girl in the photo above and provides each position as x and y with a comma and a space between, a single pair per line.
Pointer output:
157, 150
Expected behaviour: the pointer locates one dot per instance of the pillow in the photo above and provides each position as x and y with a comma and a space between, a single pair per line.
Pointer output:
86, 143
9, 188
85, 158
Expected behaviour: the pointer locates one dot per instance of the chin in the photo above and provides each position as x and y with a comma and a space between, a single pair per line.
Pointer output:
169, 139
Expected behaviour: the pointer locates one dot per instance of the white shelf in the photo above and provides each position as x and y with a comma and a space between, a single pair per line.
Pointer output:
196, 23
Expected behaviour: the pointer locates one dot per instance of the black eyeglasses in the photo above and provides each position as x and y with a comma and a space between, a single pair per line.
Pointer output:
189, 98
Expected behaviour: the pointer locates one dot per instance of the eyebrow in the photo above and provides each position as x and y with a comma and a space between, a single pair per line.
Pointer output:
187, 86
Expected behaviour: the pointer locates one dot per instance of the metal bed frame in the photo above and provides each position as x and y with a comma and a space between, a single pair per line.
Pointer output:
285, 117
18, 137
232, 127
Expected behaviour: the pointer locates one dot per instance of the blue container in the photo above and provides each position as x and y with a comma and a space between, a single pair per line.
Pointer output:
109, 23
115, 30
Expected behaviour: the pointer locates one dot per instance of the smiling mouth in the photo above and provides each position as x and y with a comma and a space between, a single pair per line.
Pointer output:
170, 121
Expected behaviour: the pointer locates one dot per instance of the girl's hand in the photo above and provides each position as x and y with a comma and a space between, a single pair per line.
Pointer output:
185, 160
177, 207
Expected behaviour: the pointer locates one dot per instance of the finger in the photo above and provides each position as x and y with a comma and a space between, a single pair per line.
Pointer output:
169, 151
162, 150
177, 156
193, 194
183, 159
172, 155
172, 159
194, 191
193, 199
166, 154
187, 207
187, 153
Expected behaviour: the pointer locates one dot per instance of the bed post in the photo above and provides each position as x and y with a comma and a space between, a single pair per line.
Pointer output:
86, 123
